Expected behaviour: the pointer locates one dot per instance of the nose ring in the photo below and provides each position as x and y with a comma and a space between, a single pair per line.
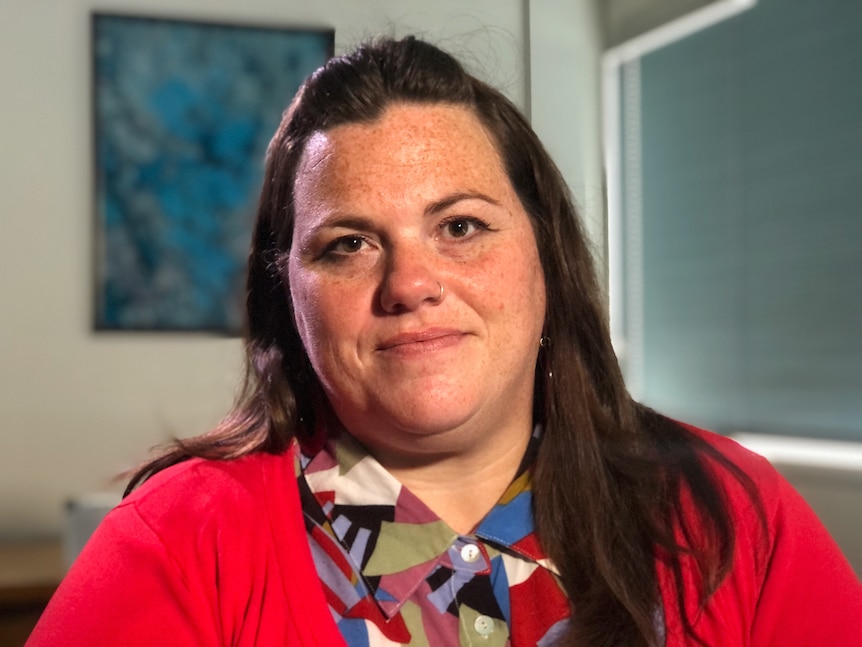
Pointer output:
439, 297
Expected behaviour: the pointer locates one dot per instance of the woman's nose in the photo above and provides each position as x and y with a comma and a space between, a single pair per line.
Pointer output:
409, 282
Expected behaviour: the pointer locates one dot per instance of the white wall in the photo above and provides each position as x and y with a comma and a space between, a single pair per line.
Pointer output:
77, 407
565, 63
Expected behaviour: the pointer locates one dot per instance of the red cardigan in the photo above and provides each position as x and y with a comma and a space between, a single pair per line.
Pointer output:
215, 553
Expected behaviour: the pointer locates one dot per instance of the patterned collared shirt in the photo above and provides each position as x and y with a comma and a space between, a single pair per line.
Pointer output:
394, 573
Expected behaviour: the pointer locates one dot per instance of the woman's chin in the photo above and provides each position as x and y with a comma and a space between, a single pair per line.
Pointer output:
418, 429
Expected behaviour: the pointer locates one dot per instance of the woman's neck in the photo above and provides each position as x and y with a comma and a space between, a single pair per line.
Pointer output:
462, 488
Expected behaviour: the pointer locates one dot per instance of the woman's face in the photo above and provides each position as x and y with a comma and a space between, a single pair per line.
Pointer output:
416, 282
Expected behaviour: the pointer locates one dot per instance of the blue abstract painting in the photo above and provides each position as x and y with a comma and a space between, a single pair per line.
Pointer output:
183, 115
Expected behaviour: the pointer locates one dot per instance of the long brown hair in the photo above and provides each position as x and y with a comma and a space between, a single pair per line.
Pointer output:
610, 473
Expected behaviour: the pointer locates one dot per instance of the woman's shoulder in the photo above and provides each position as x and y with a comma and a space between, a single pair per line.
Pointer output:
210, 477
756, 495
789, 582
206, 492
205, 552
768, 482
725, 445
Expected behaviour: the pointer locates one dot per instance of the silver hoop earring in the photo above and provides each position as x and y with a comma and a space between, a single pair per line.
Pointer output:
544, 341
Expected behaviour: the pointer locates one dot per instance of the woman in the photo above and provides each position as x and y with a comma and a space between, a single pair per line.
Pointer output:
434, 444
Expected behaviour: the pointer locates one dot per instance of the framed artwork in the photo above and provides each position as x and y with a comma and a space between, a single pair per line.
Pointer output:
183, 113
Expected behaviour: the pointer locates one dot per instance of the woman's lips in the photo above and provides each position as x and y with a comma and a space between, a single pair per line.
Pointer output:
421, 342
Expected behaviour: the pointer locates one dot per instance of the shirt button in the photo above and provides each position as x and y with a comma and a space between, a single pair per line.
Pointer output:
470, 553
483, 625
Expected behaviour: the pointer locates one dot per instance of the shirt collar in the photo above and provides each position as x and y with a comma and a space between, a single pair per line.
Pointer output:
509, 524
387, 532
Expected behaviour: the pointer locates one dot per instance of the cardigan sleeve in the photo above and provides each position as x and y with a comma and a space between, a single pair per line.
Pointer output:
125, 588
203, 553
789, 583
809, 594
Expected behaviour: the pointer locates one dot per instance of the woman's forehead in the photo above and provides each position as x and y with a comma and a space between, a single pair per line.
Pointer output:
409, 143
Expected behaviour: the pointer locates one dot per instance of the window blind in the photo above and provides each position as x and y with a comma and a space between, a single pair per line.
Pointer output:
743, 221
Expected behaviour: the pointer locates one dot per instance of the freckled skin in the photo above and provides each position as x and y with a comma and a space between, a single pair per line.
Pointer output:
386, 213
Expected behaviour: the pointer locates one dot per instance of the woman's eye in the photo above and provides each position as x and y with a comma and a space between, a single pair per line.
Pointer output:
461, 227
346, 245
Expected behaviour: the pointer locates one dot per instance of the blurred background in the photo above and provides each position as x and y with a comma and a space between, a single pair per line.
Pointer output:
733, 150
713, 148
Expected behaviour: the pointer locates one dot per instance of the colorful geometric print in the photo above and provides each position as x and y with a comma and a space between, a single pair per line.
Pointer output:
396, 574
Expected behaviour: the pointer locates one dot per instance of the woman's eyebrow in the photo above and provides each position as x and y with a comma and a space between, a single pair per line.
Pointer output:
352, 221
444, 203
344, 221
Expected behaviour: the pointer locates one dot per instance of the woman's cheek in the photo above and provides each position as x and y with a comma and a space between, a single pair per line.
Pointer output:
323, 310
305, 309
